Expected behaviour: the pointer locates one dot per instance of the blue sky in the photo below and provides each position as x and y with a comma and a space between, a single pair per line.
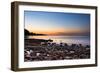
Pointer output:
57, 23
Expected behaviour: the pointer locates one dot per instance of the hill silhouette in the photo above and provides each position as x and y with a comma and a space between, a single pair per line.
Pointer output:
26, 32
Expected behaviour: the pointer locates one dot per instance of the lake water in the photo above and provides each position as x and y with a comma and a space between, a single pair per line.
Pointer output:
84, 40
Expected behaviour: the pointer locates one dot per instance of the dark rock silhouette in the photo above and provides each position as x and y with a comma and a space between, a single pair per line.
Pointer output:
26, 32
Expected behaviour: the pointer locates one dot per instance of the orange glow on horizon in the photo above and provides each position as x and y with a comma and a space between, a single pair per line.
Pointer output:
53, 31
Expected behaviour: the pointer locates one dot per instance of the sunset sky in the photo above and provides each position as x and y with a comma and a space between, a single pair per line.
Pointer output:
57, 23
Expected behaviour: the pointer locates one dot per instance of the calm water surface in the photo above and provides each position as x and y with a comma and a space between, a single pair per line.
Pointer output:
84, 40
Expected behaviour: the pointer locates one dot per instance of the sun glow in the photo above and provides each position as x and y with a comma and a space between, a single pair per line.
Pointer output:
52, 31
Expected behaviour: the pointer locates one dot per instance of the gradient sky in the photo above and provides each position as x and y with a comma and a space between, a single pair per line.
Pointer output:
57, 23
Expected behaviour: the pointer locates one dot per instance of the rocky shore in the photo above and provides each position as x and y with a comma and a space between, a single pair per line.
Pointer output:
40, 50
